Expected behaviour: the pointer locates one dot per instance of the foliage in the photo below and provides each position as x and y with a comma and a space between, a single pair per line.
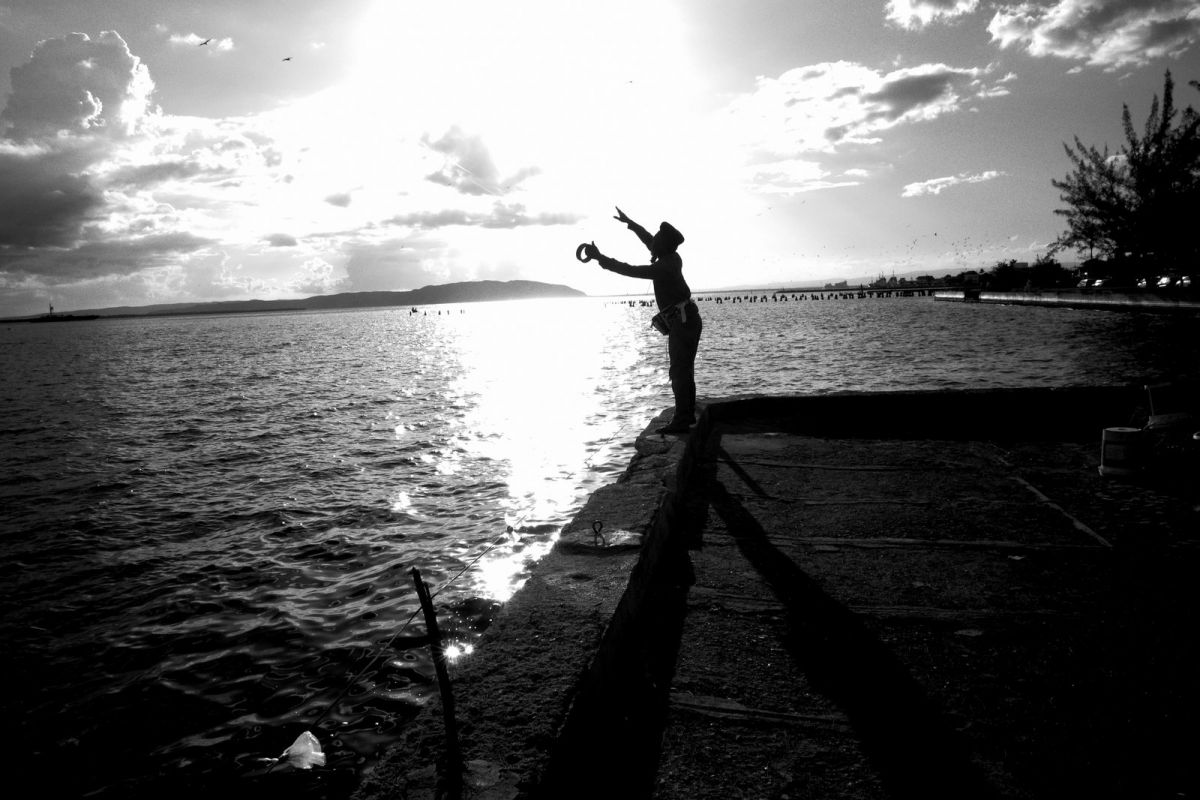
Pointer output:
1047, 273
1134, 207
1012, 275
1006, 276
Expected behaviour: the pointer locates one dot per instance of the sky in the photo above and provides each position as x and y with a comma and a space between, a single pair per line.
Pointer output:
158, 151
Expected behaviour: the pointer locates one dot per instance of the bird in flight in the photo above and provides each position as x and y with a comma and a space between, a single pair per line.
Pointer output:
206, 41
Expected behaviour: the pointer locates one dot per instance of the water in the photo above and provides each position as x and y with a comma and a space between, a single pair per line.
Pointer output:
209, 523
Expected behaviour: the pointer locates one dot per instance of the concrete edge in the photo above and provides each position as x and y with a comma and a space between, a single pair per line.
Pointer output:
576, 637
551, 644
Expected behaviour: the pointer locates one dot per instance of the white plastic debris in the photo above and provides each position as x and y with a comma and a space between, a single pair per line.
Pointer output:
305, 752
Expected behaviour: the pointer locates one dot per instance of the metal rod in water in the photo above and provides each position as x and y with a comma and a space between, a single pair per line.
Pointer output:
454, 765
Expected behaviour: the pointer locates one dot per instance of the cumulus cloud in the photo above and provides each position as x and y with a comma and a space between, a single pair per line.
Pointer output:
914, 14
78, 85
1106, 33
938, 185
468, 166
316, 276
74, 101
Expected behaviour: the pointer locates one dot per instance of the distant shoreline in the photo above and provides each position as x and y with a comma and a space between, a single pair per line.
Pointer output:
441, 294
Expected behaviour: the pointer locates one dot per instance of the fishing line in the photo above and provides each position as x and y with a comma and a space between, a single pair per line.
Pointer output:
391, 639
456, 163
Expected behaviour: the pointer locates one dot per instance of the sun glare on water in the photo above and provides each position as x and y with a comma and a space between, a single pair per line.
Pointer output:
533, 369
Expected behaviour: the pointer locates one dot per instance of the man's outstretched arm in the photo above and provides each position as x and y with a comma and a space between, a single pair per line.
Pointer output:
650, 272
641, 232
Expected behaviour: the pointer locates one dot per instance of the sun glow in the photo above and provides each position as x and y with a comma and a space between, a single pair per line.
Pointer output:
576, 92
516, 71
457, 119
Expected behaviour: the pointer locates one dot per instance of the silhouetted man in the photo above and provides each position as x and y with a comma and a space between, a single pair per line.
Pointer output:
678, 316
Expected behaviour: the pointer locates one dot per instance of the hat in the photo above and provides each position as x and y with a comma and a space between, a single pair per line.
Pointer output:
669, 235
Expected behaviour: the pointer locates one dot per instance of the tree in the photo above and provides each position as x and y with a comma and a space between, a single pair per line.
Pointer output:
1135, 207
1047, 273
1006, 276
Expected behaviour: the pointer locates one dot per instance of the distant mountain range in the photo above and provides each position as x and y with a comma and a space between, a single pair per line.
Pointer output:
464, 292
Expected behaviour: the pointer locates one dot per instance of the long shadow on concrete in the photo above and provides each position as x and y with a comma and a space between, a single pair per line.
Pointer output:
609, 743
902, 730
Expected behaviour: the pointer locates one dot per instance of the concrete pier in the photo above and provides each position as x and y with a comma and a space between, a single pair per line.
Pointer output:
921, 594
1140, 300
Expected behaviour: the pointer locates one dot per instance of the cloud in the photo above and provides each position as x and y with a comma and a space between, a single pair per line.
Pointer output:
317, 276
513, 215
78, 85
502, 215
395, 265
98, 259
915, 14
919, 94
105, 200
820, 108
795, 176
214, 44
468, 166
169, 169
73, 103
1106, 33
937, 185
45, 198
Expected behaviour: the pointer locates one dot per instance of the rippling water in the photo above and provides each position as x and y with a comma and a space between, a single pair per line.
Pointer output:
209, 523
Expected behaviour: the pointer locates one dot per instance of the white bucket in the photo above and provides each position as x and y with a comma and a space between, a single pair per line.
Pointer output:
1120, 451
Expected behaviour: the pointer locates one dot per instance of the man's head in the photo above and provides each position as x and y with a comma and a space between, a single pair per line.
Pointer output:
666, 241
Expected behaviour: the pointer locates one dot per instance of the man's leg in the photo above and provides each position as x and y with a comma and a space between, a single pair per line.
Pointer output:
682, 344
